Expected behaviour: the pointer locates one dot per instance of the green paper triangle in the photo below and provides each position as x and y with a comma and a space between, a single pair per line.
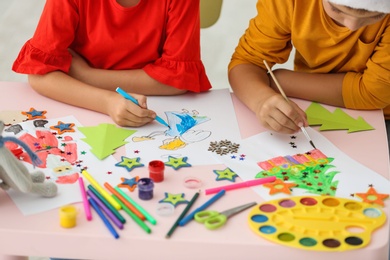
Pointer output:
104, 139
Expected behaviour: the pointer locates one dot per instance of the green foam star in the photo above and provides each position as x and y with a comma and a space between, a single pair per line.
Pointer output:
226, 174
129, 163
177, 163
174, 199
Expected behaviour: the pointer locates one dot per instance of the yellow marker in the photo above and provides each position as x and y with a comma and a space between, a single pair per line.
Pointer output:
100, 189
68, 216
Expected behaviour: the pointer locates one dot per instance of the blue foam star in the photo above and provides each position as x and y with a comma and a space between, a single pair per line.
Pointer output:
62, 127
33, 114
177, 163
129, 163
174, 199
226, 174
131, 184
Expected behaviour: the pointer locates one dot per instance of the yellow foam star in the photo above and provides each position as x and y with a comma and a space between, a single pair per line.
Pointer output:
174, 199
279, 186
372, 197
129, 163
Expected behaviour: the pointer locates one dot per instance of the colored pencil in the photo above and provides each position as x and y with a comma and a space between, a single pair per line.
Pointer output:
137, 206
106, 210
286, 98
102, 191
135, 101
104, 219
190, 216
133, 216
239, 185
87, 208
126, 202
187, 208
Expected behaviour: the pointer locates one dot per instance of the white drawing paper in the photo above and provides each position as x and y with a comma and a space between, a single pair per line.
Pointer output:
194, 119
61, 164
345, 176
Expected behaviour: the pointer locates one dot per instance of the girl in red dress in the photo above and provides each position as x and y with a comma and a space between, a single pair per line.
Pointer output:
82, 50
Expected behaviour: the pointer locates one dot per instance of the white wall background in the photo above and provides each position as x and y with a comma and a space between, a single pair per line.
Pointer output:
18, 19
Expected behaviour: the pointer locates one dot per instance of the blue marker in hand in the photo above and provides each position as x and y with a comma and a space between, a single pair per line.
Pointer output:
128, 97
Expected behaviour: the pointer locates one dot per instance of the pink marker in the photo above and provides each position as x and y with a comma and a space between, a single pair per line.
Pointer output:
87, 209
239, 185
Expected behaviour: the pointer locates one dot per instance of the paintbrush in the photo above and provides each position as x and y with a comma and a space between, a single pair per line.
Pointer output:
286, 98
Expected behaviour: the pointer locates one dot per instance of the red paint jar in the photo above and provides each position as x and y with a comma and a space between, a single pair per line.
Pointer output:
156, 170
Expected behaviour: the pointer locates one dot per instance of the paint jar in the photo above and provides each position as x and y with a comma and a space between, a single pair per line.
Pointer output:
156, 170
68, 216
145, 188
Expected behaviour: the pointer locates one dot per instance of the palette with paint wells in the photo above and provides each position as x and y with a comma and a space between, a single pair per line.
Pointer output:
317, 223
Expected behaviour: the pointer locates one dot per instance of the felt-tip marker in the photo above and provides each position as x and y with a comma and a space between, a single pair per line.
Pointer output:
132, 99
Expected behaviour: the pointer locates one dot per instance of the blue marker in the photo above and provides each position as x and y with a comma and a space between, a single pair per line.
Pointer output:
128, 97
190, 216
103, 217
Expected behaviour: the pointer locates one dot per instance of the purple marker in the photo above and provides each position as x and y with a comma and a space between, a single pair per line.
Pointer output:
109, 213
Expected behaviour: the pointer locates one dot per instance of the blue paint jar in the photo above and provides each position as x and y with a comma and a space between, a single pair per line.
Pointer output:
145, 188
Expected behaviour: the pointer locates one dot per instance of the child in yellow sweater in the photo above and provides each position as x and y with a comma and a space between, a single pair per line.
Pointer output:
342, 58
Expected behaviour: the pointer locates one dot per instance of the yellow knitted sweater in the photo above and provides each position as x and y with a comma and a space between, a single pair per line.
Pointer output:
321, 46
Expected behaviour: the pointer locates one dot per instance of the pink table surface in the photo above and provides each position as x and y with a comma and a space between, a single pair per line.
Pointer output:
41, 234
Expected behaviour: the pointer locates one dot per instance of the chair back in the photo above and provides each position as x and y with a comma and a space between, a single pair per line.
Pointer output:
210, 11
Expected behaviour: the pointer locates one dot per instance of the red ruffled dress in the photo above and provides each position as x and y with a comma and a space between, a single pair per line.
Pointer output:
162, 37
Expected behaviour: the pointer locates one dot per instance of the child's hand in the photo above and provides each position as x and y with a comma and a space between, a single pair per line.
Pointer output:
126, 113
276, 114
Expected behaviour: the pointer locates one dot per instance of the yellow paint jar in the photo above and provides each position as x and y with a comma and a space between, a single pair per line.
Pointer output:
68, 216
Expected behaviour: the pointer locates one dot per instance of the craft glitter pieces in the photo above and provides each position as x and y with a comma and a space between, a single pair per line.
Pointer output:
279, 186
372, 197
129, 163
226, 174
223, 147
177, 163
174, 199
62, 127
130, 184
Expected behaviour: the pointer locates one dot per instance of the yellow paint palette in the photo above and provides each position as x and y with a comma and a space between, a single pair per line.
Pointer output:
320, 223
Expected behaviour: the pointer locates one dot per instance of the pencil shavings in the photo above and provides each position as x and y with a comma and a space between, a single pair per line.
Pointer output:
223, 147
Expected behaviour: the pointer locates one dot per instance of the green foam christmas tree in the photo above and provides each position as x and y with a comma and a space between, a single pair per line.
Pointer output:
336, 120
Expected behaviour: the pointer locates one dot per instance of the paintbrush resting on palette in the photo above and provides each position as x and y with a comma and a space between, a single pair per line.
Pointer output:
286, 98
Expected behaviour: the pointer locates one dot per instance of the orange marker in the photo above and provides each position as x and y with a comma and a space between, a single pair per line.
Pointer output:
126, 202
